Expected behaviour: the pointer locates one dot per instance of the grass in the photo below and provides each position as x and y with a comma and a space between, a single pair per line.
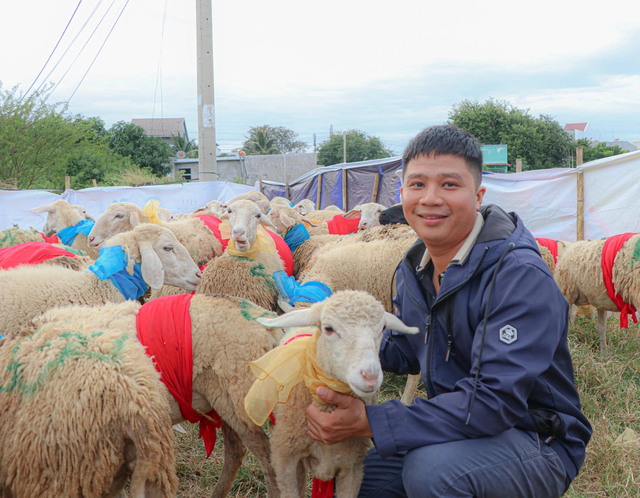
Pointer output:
609, 390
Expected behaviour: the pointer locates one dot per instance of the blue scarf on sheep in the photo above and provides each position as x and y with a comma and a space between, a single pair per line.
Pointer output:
309, 292
68, 235
112, 265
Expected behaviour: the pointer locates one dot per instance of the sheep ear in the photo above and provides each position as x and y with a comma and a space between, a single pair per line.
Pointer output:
151, 266
264, 220
264, 206
286, 220
304, 218
47, 208
394, 323
134, 218
354, 213
299, 318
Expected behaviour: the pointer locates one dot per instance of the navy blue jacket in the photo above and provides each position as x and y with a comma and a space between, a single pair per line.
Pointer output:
526, 374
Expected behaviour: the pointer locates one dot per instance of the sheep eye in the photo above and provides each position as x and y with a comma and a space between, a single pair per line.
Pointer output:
328, 329
229, 211
119, 215
168, 248
258, 216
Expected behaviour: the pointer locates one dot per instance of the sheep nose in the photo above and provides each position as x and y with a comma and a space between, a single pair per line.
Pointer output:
92, 238
198, 273
370, 379
238, 231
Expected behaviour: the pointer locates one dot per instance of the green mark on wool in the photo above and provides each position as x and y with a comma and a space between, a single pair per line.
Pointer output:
247, 309
76, 347
8, 237
635, 257
259, 270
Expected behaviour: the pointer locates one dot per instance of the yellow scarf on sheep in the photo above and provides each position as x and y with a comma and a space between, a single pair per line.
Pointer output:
263, 242
151, 209
281, 369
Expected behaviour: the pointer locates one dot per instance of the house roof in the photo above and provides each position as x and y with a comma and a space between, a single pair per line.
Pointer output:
163, 128
576, 126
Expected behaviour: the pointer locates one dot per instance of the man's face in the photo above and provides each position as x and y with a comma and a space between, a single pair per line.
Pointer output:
440, 199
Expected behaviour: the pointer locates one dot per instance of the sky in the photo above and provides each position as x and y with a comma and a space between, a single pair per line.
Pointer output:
387, 68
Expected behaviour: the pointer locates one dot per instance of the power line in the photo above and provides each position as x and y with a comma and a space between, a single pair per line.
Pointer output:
54, 49
101, 47
159, 72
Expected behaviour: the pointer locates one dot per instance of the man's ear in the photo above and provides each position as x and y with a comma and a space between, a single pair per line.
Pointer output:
480, 196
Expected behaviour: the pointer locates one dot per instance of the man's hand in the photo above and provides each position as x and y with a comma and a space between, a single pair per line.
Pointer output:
348, 420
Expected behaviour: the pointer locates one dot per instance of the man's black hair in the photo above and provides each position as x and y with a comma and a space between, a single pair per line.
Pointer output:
446, 139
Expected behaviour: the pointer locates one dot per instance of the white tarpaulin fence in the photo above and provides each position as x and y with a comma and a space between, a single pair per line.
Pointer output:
178, 198
545, 199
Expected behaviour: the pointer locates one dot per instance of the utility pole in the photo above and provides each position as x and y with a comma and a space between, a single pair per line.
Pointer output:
207, 166
314, 143
344, 146
331, 130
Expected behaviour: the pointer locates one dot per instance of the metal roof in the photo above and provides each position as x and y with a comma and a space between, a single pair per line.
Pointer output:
163, 128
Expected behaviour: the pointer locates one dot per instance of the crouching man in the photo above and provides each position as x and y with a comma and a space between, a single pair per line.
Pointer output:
502, 418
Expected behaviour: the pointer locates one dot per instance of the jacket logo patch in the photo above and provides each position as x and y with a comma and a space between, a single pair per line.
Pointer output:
508, 334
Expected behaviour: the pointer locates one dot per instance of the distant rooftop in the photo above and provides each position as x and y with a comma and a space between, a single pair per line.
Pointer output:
576, 126
163, 128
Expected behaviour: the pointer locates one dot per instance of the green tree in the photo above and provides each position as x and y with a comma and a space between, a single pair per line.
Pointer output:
180, 142
598, 151
267, 139
37, 138
130, 140
360, 147
540, 142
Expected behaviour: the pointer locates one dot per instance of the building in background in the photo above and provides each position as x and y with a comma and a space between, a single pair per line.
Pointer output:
623, 144
576, 130
164, 128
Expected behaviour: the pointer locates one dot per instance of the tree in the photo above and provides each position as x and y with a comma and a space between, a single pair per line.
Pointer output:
598, 151
130, 140
360, 147
37, 138
181, 143
267, 139
540, 142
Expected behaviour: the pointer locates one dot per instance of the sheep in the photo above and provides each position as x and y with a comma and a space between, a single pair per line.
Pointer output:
10, 237
334, 208
369, 215
547, 257
34, 253
347, 332
322, 215
257, 197
225, 338
27, 291
82, 412
165, 215
60, 215
279, 201
579, 276
120, 217
233, 274
305, 206
215, 208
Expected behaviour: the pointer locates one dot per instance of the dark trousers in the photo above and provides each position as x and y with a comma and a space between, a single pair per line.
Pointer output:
514, 464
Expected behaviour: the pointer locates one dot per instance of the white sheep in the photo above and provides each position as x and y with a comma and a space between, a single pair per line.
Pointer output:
28, 291
305, 206
83, 411
369, 214
215, 208
348, 327
279, 201
257, 197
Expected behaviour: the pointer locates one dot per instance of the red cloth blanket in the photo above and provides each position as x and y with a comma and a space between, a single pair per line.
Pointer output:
340, 225
550, 244
164, 327
212, 223
50, 240
30, 253
609, 252
283, 251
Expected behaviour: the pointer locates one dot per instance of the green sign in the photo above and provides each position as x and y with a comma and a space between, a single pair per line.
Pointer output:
494, 154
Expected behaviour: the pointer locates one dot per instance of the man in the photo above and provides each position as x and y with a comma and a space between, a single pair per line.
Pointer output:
502, 418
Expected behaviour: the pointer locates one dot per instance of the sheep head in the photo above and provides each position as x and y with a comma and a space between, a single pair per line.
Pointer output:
244, 217
254, 196
304, 207
118, 218
284, 218
165, 215
351, 326
163, 259
61, 214
369, 214
215, 208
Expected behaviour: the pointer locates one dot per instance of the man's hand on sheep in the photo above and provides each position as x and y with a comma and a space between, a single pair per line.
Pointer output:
348, 420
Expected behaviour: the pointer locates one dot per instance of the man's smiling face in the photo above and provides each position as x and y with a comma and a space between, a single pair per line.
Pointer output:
440, 199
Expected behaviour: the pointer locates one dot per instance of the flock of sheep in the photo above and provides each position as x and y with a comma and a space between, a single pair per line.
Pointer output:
84, 411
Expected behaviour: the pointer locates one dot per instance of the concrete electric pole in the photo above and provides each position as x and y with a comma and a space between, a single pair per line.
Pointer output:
207, 167
344, 146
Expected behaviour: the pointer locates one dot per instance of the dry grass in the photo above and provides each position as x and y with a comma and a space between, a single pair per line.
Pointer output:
609, 390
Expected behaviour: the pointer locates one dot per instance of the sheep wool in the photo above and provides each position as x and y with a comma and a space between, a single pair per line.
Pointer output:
551, 245
14, 236
610, 250
82, 411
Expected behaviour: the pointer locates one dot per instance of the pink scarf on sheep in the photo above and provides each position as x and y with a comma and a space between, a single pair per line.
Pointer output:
164, 327
30, 253
339, 225
609, 252
550, 244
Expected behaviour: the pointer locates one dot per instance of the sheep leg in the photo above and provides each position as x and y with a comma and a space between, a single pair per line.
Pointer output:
601, 327
234, 453
572, 314
348, 482
410, 389
302, 478
258, 444
287, 470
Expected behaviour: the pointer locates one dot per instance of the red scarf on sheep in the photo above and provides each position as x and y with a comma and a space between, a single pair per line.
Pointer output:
550, 244
339, 225
164, 327
212, 223
609, 252
30, 253
50, 240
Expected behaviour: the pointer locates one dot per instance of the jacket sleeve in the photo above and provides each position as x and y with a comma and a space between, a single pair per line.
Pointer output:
526, 299
396, 354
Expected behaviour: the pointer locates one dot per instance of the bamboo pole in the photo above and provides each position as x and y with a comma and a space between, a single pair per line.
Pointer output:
518, 165
376, 184
67, 182
260, 181
580, 192
287, 190
319, 197
95, 184
344, 190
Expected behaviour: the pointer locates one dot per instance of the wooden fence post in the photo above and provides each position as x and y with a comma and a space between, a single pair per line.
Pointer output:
260, 181
344, 191
287, 190
319, 199
580, 196
95, 184
67, 182
376, 184
518, 165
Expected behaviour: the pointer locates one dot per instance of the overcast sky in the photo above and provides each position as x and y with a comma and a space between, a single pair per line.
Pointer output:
388, 68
